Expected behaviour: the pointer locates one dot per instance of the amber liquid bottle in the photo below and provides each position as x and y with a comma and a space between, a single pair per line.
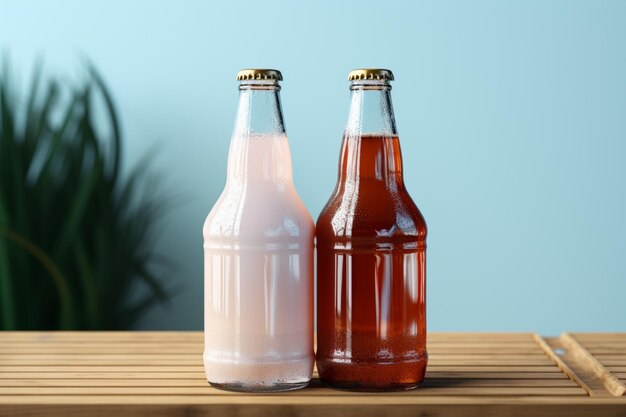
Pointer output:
371, 256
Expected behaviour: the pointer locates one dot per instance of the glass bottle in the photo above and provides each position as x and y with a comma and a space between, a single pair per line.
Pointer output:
371, 255
258, 255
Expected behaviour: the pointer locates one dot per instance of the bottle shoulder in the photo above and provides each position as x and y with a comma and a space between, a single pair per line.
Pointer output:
381, 215
258, 213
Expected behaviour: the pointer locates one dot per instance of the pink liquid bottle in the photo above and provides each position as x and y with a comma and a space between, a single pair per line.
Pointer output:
258, 255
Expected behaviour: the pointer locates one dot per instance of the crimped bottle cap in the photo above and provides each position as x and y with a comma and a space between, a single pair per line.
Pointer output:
259, 74
370, 74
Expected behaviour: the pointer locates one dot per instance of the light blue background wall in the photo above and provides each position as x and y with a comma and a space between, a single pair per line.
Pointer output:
511, 115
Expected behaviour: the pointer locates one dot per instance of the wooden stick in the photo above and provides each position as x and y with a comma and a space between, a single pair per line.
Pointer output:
610, 382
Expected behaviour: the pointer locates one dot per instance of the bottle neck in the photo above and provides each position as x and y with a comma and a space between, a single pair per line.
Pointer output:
371, 110
259, 110
371, 149
259, 150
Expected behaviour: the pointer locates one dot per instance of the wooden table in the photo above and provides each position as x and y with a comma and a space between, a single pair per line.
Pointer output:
160, 374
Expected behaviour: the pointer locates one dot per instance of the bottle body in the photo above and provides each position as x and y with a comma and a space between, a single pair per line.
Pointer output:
371, 262
258, 255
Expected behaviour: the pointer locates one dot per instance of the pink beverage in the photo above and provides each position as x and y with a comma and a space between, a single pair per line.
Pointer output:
258, 256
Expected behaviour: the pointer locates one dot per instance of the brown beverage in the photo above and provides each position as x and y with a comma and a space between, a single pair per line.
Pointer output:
371, 255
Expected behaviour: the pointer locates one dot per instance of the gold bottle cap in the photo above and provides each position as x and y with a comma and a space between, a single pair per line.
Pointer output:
370, 74
259, 74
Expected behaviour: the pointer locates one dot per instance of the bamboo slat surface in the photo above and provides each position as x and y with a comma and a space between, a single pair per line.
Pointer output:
161, 374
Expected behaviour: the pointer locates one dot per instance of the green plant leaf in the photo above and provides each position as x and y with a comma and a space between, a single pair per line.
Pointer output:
6, 290
81, 199
31, 109
116, 141
56, 140
157, 288
76, 210
65, 295
37, 118
90, 292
